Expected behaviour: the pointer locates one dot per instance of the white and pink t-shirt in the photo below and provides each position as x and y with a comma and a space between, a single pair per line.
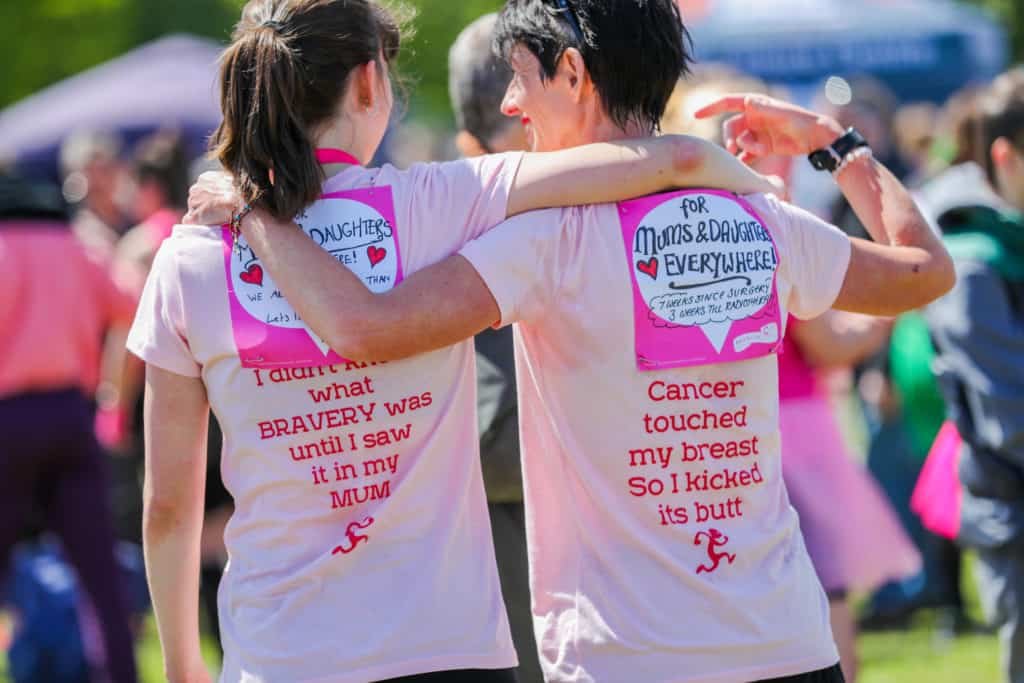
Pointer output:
360, 546
663, 547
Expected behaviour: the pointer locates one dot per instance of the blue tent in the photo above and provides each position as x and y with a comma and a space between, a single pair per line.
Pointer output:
169, 82
923, 49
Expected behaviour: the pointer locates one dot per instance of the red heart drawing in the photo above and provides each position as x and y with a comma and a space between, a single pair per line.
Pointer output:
376, 255
253, 275
649, 267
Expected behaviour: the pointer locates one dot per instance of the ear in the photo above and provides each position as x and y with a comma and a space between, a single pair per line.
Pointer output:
364, 86
574, 69
468, 144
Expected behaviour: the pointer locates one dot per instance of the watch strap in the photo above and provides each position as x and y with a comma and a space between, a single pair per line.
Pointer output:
831, 158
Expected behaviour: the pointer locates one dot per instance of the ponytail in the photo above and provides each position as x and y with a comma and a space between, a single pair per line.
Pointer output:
283, 75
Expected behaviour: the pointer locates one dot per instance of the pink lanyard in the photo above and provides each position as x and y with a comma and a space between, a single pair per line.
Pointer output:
335, 156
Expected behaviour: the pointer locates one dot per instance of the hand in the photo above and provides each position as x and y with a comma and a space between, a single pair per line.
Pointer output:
111, 427
763, 126
212, 200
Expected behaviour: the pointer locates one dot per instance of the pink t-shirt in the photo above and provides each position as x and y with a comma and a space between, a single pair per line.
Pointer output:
663, 547
59, 299
360, 546
797, 378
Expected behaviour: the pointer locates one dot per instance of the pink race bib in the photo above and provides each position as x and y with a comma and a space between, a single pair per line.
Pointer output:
703, 266
358, 228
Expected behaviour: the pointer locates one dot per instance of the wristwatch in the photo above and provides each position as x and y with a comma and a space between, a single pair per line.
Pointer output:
831, 158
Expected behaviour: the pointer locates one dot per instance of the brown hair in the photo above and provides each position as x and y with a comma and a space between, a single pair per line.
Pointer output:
1001, 115
282, 76
163, 159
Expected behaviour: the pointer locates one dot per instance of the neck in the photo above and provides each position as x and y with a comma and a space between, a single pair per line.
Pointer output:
341, 137
596, 126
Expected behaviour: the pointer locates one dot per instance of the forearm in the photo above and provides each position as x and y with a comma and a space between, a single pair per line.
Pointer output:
171, 538
339, 303
907, 266
435, 307
885, 207
839, 339
891, 217
616, 171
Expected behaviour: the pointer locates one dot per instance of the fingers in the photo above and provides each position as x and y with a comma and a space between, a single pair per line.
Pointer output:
732, 128
728, 104
749, 142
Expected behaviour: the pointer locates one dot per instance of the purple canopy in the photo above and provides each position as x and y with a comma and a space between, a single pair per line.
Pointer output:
169, 82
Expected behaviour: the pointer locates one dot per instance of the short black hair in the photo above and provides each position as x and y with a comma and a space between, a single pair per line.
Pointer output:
635, 50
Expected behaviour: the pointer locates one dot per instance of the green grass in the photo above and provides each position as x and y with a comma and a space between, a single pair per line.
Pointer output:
914, 655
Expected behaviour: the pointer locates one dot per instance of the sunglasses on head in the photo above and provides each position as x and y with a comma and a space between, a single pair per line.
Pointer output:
566, 10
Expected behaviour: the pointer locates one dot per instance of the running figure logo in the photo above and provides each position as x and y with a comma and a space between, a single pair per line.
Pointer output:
716, 540
354, 539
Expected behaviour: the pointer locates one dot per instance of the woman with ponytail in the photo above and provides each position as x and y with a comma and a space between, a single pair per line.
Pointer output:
359, 547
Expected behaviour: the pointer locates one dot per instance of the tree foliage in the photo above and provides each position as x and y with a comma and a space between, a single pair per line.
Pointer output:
44, 41
1011, 14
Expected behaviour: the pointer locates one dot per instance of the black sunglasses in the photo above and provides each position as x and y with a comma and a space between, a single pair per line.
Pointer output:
565, 10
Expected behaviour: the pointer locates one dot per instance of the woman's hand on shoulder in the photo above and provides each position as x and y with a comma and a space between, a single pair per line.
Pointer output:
212, 200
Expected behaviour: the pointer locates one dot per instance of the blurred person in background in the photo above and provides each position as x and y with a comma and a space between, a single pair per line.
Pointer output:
477, 81
916, 395
96, 187
978, 331
866, 545
913, 129
160, 176
60, 301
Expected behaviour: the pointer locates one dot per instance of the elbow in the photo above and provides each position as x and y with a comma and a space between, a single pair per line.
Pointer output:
689, 154
360, 343
163, 515
941, 276
948, 274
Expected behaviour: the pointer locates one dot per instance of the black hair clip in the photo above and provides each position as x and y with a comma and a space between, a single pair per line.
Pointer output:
566, 10
277, 26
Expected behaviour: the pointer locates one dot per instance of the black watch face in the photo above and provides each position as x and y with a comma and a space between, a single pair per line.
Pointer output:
820, 160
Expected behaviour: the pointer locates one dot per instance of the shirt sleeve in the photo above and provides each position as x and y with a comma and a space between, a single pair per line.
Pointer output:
814, 257
469, 196
520, 261
158, 334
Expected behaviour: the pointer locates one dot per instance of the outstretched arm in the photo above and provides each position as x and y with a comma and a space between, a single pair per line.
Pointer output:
589, 174
624, 169
907, 266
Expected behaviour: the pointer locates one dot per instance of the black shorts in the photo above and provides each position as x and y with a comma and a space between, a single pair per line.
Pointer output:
460, 676
833, 674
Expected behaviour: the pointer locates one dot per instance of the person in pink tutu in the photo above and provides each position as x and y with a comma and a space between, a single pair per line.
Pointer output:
852, 534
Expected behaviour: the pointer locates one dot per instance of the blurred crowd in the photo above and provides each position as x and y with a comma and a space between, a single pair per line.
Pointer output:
868, 405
